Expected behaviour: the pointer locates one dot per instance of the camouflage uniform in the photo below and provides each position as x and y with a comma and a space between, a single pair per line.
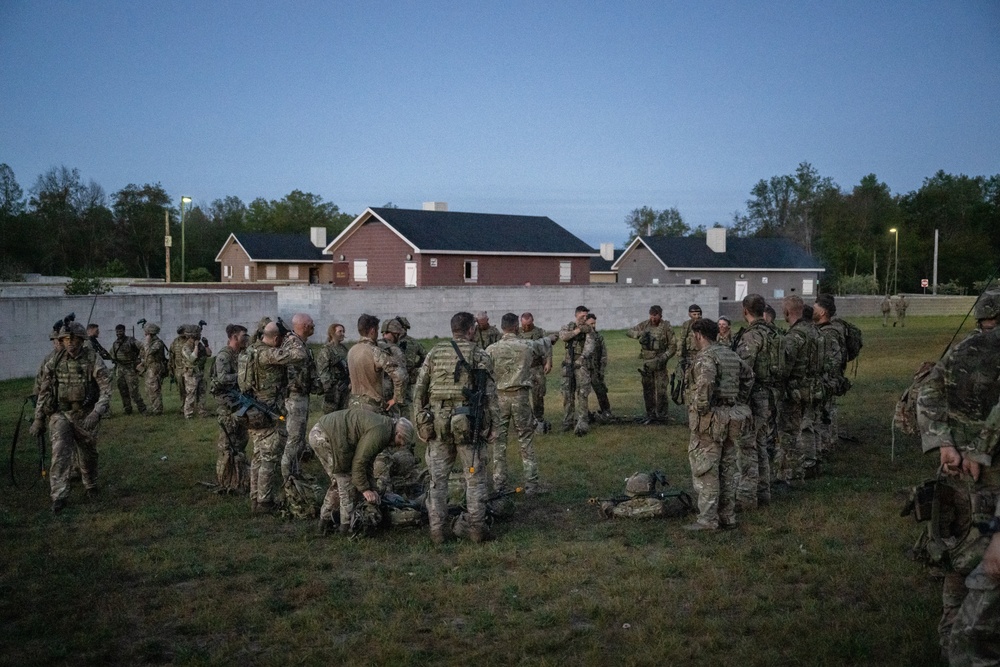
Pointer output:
331, 364
175, 365
483, 338
959, 405
513, 359
598, 366
796, 350
153, 366
687, 350
575, 376
268, 382
758, 347
719, 385
233, 436
74, 393
901, 306
809, 431
886, 309
389, 382
538, 379
302, 381
346, 444
439, 389
834, 363
191, 364
656, 349
726, 340
414, 353
125, 353
367, 364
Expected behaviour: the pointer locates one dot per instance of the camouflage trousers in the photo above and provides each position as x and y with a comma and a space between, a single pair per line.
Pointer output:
192, 401
754, 463
600, 391
826, 428
575, 409
296, 418
232, 441
787, 449
395, 471
268, 443
340, 496
974, 637
71, 444
712, 454
154, 388
515, 406
809, 439
440, 457
655, 388
181, 388
538, 393
128, 387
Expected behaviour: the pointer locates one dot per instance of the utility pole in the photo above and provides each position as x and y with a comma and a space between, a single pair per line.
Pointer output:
167, 241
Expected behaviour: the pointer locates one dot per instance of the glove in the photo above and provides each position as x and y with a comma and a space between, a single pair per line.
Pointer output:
90, 423
37, 427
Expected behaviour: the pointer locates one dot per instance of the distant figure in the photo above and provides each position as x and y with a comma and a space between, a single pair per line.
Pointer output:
886, 309
901, 311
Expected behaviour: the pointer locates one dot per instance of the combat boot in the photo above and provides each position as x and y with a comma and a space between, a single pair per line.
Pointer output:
261, 509
479, 534
437, 537
58, 505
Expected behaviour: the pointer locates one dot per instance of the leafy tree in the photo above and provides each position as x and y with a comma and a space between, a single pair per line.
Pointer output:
139, 217
13, 226
11, 194
70, 229
648, 222
295, 214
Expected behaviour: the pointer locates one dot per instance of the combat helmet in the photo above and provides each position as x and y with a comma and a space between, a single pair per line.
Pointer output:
151, 328
74, 329
988, 305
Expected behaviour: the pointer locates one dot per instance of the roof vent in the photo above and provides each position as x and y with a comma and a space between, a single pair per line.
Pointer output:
716, 239
608, 251
318, 236
435, 206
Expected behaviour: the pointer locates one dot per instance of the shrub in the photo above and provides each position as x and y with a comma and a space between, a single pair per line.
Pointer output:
857, 284
85, 282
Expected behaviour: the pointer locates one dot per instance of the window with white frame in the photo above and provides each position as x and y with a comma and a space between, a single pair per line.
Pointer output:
246, 272
693, 281
361, 270
565, 272
471, 271
227, 271
807, 287
293, 272
271, 271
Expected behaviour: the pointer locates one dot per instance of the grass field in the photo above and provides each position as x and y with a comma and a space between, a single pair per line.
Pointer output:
159, 570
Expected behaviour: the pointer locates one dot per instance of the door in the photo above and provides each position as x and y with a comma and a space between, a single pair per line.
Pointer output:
341, 273
410, 274
741, 289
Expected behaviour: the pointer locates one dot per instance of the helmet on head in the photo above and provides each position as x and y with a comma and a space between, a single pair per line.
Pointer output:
151, 328
393, 326
74, 329
988, 305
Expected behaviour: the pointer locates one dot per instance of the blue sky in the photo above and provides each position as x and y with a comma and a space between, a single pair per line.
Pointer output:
581, 111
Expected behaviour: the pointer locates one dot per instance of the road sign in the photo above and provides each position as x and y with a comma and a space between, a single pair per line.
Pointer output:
925, 283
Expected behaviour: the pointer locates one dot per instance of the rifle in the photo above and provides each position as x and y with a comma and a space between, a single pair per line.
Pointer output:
677, 386
246, 402
13, 444
475, 397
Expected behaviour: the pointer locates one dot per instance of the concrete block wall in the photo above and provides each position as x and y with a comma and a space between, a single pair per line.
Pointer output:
871, 306
429, 309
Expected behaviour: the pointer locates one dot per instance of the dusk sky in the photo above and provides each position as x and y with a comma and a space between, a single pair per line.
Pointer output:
579, 111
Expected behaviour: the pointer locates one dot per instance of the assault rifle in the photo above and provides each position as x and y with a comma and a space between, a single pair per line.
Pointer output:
679, 384
246, 402
40, 440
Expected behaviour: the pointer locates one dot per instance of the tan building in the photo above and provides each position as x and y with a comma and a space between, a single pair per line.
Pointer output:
249, 257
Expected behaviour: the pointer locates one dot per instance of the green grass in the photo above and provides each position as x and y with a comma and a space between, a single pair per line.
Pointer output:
159, 570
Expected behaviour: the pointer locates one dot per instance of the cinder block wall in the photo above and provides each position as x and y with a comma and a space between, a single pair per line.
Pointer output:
871, 306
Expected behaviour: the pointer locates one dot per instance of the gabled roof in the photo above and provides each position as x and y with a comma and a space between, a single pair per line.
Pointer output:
772, 254
453, 232
600, 265
261, 247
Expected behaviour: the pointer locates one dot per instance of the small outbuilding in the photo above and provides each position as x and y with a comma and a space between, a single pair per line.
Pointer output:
248, 257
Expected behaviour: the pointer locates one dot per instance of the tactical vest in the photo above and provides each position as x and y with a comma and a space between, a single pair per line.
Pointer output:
449, 378
727, 375
75, 387
973, 392
125, 352
301, 374
797, 370
575, 346
764, 340
230, 364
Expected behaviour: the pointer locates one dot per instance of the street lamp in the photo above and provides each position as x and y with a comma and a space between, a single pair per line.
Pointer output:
187, 200
895, 262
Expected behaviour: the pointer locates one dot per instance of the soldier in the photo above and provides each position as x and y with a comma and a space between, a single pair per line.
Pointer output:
125, 353
957, 411
686, 346
367, 363
200, 363
719, 385
302, 381
725, 331
153, 366
575, 378
901, 306
263, 375
193, 351
455, 395
74, 393
598, 367
175, 364
331, 364
795, 353
486, 334
834, 364
809, 432
758, 346
233, 437
886, 309
539, 370
57, 347
413, 351
657, 346
346, 444
93, 334
391, 332
513, 359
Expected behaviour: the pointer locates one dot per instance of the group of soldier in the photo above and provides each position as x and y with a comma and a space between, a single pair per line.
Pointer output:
899, 304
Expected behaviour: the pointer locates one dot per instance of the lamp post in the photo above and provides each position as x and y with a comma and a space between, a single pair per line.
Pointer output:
185, 200
895, 262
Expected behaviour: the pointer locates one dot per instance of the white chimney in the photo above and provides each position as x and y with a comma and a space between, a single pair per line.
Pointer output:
716, 239
318, 236
435, 206
608, 251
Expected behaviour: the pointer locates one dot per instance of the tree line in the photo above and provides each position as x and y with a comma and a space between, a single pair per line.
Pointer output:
849, 229
65, 226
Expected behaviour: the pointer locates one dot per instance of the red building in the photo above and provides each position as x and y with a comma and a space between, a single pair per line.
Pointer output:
393, 247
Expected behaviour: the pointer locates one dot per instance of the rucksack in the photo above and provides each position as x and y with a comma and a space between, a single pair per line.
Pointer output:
905, 416
853, 339
246, 369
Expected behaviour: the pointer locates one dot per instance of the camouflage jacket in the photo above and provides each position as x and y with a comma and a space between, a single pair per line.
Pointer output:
356, 437
331, 365
126, 352
226, 366
718, 377
443, 378
959, 403
74, 384
795, 354
686, 346
759, 346
599, 358
579, 343
483, 338
192, 358
174, 362
399, 361
834, 355
534, 334
513, 358
154, 355
414, 353
659, 344
302, 376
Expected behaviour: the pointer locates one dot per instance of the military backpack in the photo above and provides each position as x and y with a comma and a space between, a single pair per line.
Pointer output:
853, 339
